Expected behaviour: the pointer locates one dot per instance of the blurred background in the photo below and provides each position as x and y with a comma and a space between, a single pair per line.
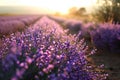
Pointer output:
87, 10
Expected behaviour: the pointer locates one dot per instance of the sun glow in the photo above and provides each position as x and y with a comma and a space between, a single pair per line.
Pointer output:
61, 6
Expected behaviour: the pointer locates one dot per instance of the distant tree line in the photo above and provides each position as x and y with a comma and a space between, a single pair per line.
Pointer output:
77, 11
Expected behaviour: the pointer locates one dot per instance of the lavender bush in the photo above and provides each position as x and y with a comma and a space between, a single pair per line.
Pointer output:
107, 37
45, 52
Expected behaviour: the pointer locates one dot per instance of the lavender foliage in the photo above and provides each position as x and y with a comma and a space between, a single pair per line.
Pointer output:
12, 24
107, 37
44, 52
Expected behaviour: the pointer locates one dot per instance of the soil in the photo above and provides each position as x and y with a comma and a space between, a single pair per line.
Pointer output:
111, 63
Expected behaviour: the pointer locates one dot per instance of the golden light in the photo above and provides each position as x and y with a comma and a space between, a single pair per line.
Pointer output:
61, 6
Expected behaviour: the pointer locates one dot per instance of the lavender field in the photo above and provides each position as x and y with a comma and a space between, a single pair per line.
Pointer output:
59, 39
54, 48
44, 51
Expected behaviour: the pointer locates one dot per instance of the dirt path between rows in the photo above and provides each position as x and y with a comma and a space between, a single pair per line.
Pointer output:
111, 63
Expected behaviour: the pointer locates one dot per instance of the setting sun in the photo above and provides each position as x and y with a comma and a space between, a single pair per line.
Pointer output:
61, 6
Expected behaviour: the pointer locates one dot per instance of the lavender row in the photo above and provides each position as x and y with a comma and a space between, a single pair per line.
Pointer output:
17, 17
73, 26
45, 52
9, 24
107, 37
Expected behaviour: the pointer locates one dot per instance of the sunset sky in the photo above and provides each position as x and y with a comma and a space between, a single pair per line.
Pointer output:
53, 5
